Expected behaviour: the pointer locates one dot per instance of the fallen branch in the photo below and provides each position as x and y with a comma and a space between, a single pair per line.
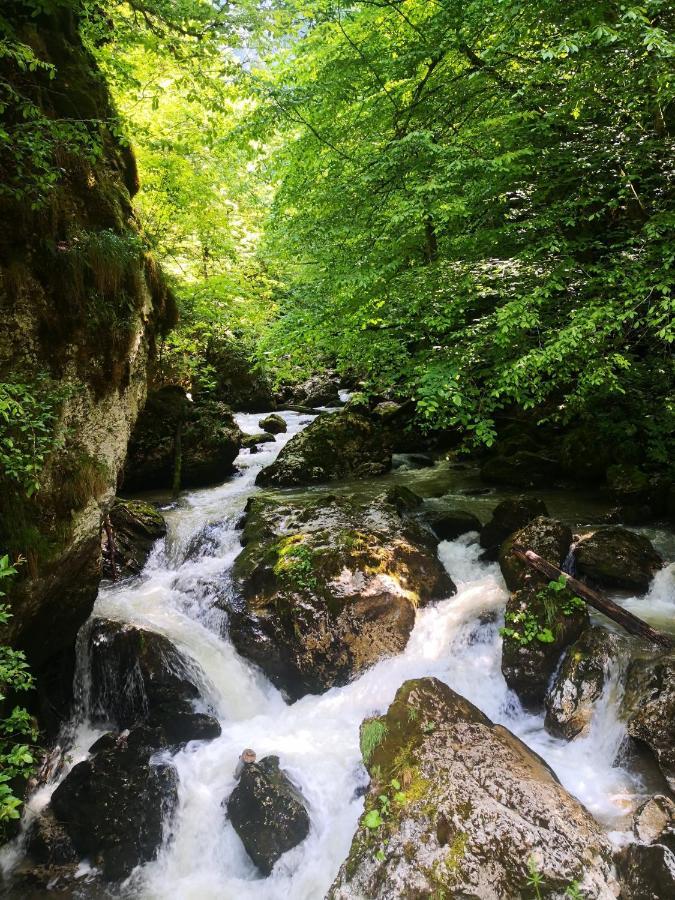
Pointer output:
110, 537
603, 604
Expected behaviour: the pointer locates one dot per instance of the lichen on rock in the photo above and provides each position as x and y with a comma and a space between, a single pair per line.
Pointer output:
459, 806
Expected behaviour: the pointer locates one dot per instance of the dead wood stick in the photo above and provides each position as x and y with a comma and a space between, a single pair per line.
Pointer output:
110, 537
603, 604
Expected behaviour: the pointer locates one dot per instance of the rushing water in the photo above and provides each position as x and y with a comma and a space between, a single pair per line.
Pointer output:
316, 738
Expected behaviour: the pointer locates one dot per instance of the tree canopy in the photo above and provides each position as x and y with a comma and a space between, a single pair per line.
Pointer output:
466, 203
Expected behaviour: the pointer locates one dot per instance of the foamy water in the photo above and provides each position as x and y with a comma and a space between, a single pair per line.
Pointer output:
317, 738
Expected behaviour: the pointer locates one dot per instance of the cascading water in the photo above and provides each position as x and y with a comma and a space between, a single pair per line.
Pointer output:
316, 738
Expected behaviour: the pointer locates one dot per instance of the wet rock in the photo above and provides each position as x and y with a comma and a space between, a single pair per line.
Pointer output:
523, 469
139, 676
413, 461
646, 872
209, 442
136, 527
617, 558
468, 804
449, 524
654, 822
251, 441
580, 681
319, 390
267, 812
47, 842
387, 410
327, 586
510, 516
113, 806
335, 446
649, 704
540, 621
547, 537
273, 424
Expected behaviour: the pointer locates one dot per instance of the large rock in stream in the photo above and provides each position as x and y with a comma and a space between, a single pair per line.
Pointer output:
466, 807
267, 812
335, 446
649, 705
138, 676
509, 516
617, 558
113, 806
580, 681
540, 621
326, 586
136, 526
203, 434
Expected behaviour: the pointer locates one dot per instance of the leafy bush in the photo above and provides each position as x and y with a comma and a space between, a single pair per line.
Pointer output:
17, 728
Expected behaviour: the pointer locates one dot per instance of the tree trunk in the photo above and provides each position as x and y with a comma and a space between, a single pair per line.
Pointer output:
603, 604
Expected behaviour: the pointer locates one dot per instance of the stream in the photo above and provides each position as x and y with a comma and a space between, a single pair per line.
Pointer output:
317, 738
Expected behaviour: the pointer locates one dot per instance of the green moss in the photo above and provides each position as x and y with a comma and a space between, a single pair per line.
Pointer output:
295, 562
456, 852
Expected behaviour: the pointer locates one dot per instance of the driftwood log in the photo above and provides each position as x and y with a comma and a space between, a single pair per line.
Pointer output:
598, 601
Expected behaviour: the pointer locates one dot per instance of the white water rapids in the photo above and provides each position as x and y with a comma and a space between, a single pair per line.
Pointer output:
316, 738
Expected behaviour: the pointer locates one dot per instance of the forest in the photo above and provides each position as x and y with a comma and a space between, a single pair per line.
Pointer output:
318, 316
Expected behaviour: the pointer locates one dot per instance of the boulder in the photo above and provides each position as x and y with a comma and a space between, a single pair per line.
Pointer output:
459, 806
327, 586
273, 424
319, 390
113, 806
139, 676
580, 681
646, 872
649, 705
654, 822
136, 527
617, 558
267, 812
539, 624
509, 516
547, 537
523, 469
540, 620
335, 446
449, 524
209, 442
251, 441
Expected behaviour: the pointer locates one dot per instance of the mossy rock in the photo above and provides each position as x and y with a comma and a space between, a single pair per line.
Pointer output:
523, 469
617, 558
539, 624
549, 538
204, 433
580, 681
136, 527
451, 790
325, 587
335, 446
509, 516
274, 424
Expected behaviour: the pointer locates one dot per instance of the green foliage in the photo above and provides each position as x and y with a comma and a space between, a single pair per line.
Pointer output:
473, 207
28, 416
17, 729
537, 622
372, 735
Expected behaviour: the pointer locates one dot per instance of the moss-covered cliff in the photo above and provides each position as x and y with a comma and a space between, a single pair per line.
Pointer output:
82, 306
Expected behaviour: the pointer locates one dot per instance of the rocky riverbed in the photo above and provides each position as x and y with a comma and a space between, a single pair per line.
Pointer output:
408, 746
